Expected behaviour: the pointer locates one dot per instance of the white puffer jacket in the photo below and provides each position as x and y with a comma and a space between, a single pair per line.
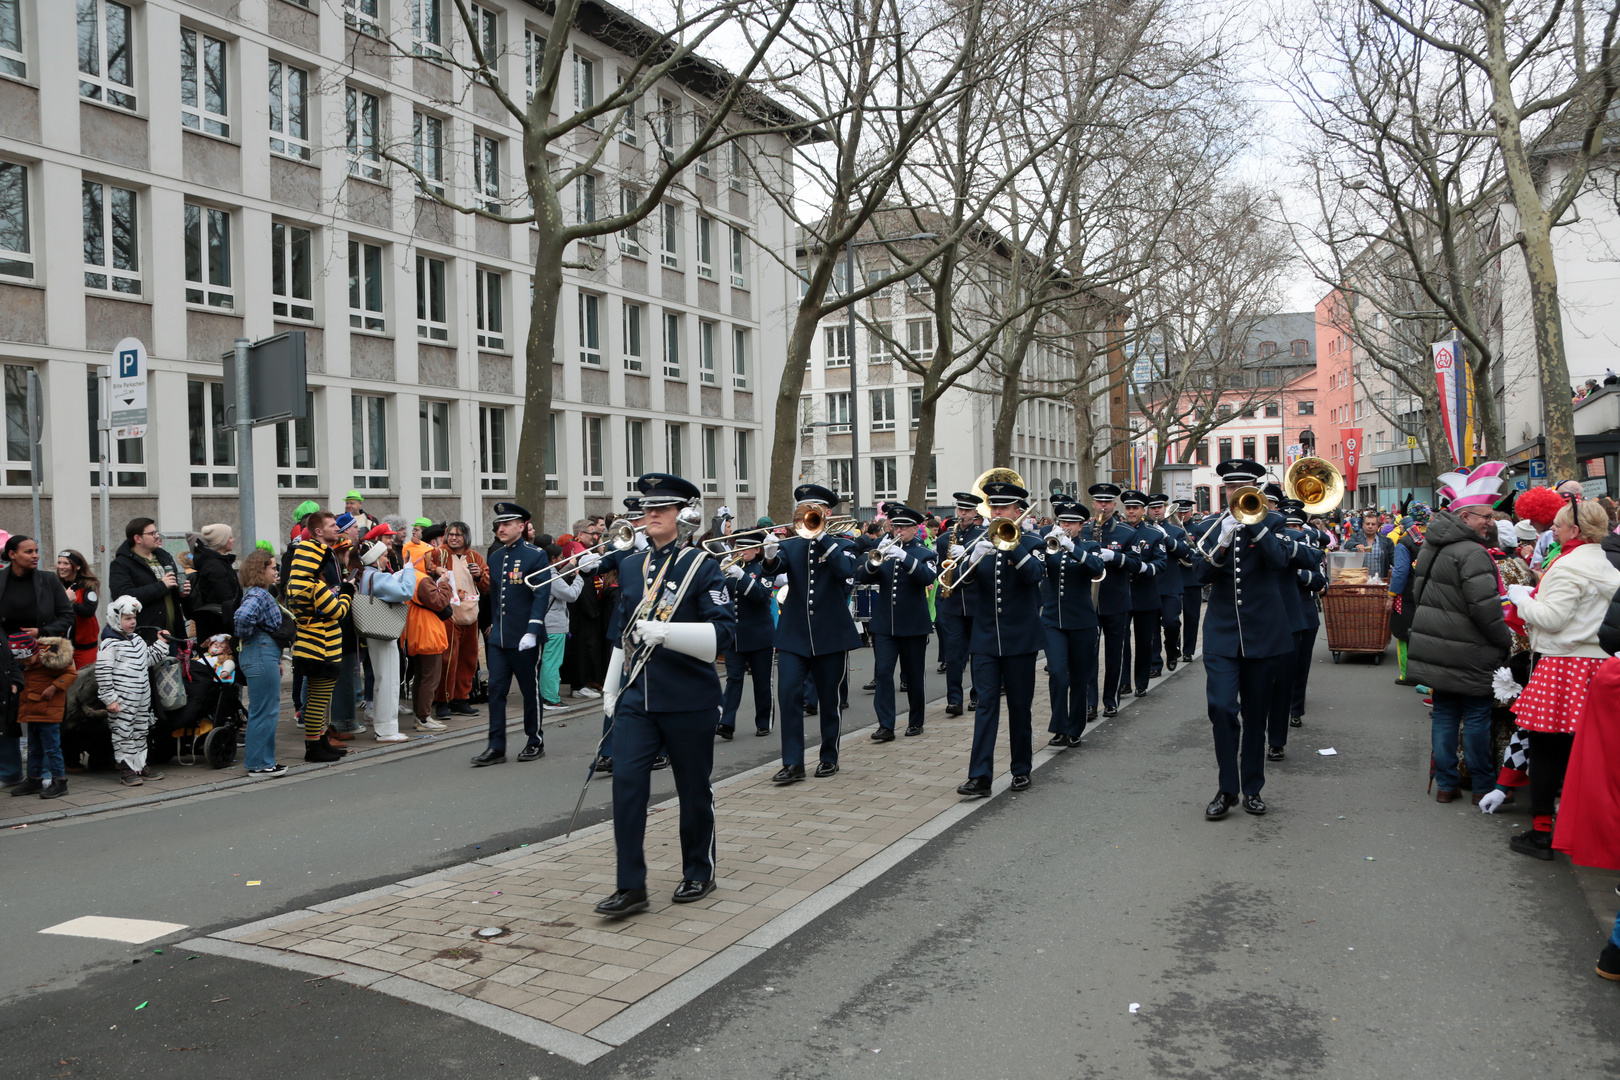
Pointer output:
1570, 603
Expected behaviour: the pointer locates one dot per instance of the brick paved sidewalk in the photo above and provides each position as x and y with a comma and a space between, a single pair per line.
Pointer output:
561, 977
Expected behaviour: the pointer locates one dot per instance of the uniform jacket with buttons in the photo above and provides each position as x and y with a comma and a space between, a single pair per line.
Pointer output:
1067, 590
815, 618
1006, 589
613, 561
1309, 580
1178, 557
673, 681
1245, 616
901, 609
515, 607
751, 598
960, 602
1152, 555
1114, 595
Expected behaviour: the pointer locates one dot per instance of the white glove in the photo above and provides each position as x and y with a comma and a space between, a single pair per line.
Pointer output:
958, 552
1107, 555
652, 632
1229, 525
1492, 800
1065, 541
735, 571
589, 562
1518, 594
885, 544
771, 548
778, 581
528, 642
610, 683
894, 551
641, 542
983, 549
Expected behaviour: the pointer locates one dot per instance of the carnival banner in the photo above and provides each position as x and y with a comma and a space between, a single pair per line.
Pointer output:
1350, 439
1456, 386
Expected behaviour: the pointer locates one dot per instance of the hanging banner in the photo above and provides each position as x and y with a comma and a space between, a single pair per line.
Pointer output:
1350, 439
1456, 386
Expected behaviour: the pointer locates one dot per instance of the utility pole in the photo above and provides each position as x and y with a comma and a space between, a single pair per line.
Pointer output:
244, 446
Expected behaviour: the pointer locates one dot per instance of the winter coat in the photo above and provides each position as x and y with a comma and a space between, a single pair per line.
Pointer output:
1588, 823
132, 576
320, 605
564, 591
216, 591
122, 674
86, 626
1458, 637
1570, 604
83, 700
1611, 549
425, 632
55, 609
52, 667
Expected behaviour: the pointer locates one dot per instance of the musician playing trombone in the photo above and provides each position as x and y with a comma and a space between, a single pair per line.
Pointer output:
662, 691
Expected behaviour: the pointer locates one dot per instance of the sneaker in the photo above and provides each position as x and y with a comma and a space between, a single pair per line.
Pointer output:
427, 723
266, 774
128, 776
393, 738
54, 788
1536, 843
149, 773
1423, 689
551, 704
369, 710
587, 692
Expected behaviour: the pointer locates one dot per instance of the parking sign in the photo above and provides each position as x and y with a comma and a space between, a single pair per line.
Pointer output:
127, 407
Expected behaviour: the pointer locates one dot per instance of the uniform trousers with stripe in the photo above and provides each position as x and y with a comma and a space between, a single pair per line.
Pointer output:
755, 663
911, 651
1192, 608
1282, 697
1145, 624
688, 739
955, 631
1170, 621
1239, 689
1071, 668
1305, 645
505, 667
826, 671
1116, 648
1016, 676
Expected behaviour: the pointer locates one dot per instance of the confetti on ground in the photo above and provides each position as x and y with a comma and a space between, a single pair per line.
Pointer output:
1136, 1007
1328, 752
141, 1006
253, 883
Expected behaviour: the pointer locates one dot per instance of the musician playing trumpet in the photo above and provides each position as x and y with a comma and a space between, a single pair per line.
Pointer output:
1070, 622
903, 567
750, 654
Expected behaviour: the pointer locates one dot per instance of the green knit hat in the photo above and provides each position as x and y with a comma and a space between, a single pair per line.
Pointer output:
305, 508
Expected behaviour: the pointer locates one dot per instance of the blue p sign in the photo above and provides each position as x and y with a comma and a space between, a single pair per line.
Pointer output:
129, 364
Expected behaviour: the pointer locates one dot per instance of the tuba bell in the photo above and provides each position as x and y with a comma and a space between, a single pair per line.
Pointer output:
1316, 482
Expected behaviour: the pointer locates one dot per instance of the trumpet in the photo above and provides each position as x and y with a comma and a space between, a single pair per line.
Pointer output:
1053, 545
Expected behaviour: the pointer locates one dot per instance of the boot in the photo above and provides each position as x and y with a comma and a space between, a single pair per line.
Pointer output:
55, 789
31, 786
441, 710
320, 750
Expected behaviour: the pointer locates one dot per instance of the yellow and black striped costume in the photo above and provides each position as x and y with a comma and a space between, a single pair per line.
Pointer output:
315, 601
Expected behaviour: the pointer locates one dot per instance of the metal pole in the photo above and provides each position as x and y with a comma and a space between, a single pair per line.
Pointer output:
104, 430
36, 466
244, 447
854, 396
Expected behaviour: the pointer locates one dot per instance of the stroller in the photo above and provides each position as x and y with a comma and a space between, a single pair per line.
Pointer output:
208, 725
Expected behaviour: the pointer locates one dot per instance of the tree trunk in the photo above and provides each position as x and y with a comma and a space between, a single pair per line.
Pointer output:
539, 354
785, 440
1557, 411
923, 450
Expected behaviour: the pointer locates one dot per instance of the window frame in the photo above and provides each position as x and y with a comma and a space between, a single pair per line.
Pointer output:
924, 348
213, 277
284, 241
1274, 449
738, 254
709, 460
14, 54
434, 420
490, 288
742, 455
837, 333
585, 200
837, 405
367, 282
493, 467
112, 273
363, 151
17, 259
590, 328
671, 323
366, 413
100, 85
278, 80
19, 458
739, 357
669, 235
121, 452
586, 66
674, 447
534, 56
635, 451
737, 177
487, 172
635, 335
198, 51
553, 477
427, 150
291, 438
428, 327
216, 448
705, 246
427, 28
363, 16
885, 478
708, 373
880, 407
630, 235
915, 396
628, 118
593, 454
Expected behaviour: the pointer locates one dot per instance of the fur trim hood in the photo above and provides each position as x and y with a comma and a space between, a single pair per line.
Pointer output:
55, 653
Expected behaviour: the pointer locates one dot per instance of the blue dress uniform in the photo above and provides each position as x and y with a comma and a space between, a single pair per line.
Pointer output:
1146, 604
900, 625
1311, 582
517, 616
1112, 536
1301, 556
1192, 593
814, 633
670, 704
1007, 635
1070, 622
1248, 638
750, 654
954, 613
1171, 585
612, 561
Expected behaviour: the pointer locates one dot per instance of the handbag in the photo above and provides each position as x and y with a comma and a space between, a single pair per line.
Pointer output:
465, 610
374, 618
168, 684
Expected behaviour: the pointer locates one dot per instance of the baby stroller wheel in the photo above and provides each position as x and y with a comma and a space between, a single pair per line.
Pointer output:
219, 746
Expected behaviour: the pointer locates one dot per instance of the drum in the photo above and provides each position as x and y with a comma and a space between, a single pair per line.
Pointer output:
865, 601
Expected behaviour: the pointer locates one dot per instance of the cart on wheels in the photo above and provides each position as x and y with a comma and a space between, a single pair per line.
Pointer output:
1357, 619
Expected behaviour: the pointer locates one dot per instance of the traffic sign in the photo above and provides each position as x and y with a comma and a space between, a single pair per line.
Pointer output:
1411, 442
127, 407
1538, 469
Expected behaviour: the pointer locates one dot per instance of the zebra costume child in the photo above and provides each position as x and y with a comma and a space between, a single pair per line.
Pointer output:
123, 663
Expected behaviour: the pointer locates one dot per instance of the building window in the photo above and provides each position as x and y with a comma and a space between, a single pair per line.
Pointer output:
12, 60
635, 452
291, 285
706, 367
1301, 348
585, 199
920, 339
491, 326
492, 448
916, 407
882, 410
711, 461
487, 173
366, 286
594, 466
16, 243
885, 478
674, 448
486, 36
739, 358
627, 119
1268, 349
1273, 449
837, 339
1235, 381
590, 329
669, 235
741, 465
1225, 447
635, 317
877, 342
672, 345
1201, 498
1246, 412
19, 453
363, 114
432, 305
427, 143
705, 246
433, 432
630, 235
127, 465
289, 111
368, 421
1248, 447
739, 279
1273, 409
1201, 453
295, 449
932, 491
208, 256
112, 258
107, 53
1223, 412
203, 102
362, 16
1268, 377
738, 175
1307, 408
534, 56
837, 413
584, 86
841, 474
426, 28
213, 444
668, 125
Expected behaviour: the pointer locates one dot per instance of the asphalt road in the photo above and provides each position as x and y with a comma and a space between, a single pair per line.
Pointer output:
1358, 930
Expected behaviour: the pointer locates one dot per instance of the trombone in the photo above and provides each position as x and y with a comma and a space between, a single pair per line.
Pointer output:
622, 535
1247, 505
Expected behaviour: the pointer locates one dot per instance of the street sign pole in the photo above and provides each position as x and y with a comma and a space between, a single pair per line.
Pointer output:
244, 446
36, 462
104, 442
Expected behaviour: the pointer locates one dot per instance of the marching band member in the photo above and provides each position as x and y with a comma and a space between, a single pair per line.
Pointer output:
1114, 540
900, 625
1146, 605
594, 567
1192, 594
1171, 585
751, 592
516, 633
955, 612
662, 692
1070, 623
1301, 556
1311, 583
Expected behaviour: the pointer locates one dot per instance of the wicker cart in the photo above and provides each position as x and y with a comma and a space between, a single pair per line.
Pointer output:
1357, 620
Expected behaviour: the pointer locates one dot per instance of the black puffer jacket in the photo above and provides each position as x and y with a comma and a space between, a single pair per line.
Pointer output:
1609, 632
1458, 637
131, 576
216, 592
1611, 551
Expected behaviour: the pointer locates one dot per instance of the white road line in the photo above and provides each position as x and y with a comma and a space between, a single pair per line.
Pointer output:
132, 931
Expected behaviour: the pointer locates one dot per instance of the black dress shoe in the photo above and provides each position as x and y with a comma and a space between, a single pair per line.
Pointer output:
762, 731
1141, 693
462, 708
914, 729
489, 757
1074, 740
953, 710
622, 903
55, 789
882, 734
940, 670
811, 710
1059, 740
788, 774
1170, 665
1296, 721
31, 786
604, 765
825, 769
872, 685
725, 732
1091, 714
1254, 804
1111, 710
532, 751
976, 787
1155, 673
1219, 805
660, 762
903, 686
1020, 783
689, 890
1274, 753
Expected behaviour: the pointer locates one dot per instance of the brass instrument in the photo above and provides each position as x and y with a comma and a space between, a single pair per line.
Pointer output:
947, 568
1248, 504
1053, 545
1004, 534
948, 581
1316, 482
621, 535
